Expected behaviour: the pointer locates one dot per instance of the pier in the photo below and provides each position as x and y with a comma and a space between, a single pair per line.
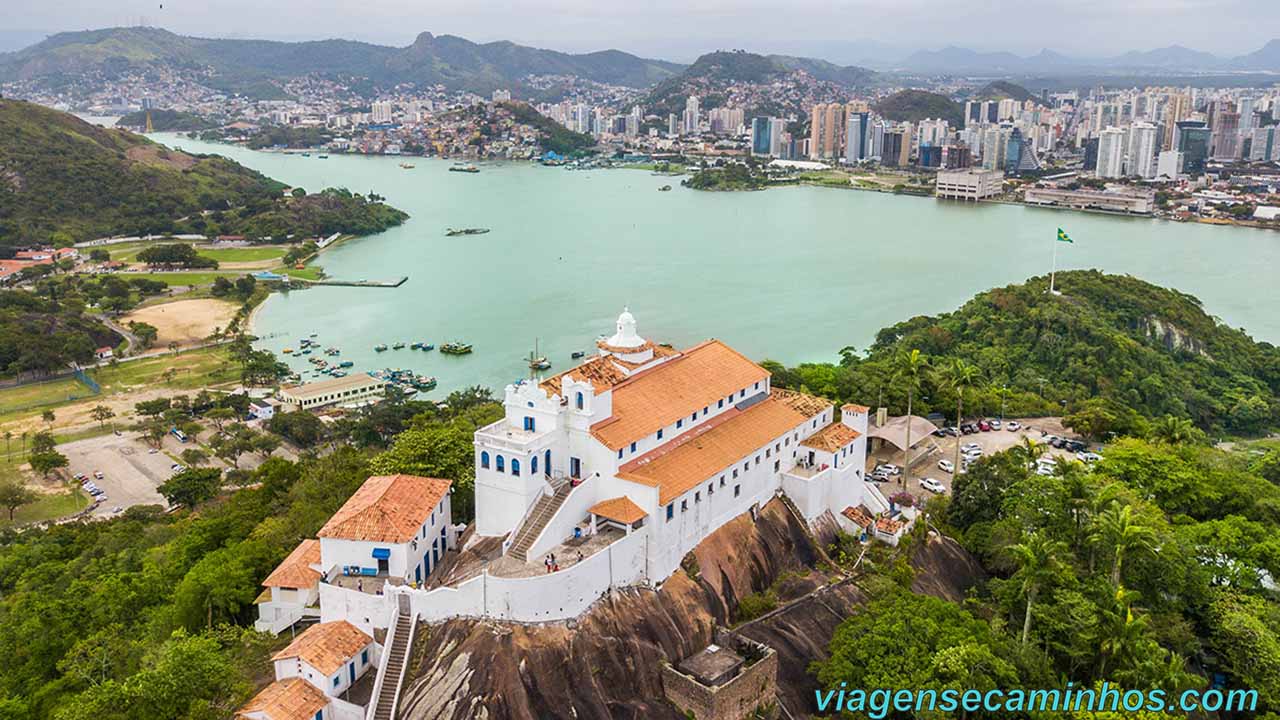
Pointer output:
359, 283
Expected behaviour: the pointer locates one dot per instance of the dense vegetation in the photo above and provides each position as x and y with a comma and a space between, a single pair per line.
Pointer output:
551, 135
40, 336
63, 180
1112, 351
1001, 89
166, 121
734, 176
917, 105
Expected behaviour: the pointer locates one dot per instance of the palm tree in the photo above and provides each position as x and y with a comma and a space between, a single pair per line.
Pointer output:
908, 367
1173, 430
959, 375
1038, 564
1030, 451
48, 417
1118, 528
1121, 635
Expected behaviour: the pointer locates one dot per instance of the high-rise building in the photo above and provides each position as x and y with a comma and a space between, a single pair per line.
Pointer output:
1111, 153
933, 132
381, 112
994, 142
817, 121
1262, 143
1194, 139
856, 137
673, 125
761, 142
1176, 110
692, 117
1226, 136
1141, 150
892, 149
1169, 166
778, 136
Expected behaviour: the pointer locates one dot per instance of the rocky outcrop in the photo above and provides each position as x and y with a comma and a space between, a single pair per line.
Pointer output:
1173, 338
608, 664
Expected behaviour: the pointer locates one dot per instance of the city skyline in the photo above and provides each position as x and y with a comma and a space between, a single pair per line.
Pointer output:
680, 32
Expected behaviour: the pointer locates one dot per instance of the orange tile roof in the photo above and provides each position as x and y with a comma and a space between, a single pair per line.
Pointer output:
859, 516
675, 468
889, 525
807, 405
599, 371
619, 509
657, 397
295, 571
832, 437
289, 699
387, 508
853, 408
327, 646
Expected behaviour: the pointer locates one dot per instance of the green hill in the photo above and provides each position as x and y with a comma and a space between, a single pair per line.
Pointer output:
166, 121
248, 66
1001, 89
64, 180
1109, 345
917, 105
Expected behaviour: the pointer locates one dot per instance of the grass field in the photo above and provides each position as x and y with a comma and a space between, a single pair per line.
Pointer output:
189, 278
48, 507
245, 254
310, 272
37, 394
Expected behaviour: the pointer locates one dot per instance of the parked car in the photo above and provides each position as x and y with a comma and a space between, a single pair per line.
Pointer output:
984, 426
1075, 445
995, 424
1013, 426
176, 467
946, 466
1088, 457
889, 468
932, 485
878, 476
969, 428
98, 474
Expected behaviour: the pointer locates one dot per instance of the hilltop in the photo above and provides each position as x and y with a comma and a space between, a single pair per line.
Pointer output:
250, 66
730, 77
1002, 89
64, 180
917, 105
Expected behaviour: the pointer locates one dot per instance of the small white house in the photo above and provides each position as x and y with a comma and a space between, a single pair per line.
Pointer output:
291, 699
291, 589
331, 656
263, 409
394, 528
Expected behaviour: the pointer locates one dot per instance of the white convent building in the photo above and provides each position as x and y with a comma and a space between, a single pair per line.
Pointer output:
617, 467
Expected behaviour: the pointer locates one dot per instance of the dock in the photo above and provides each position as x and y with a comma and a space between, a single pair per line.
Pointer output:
359, 283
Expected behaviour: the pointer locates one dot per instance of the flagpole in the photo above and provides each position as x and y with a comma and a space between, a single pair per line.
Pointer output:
1054, 269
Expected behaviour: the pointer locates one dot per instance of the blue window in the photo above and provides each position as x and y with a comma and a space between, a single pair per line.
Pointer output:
693, 417
720, 404
659, 433
680, 423
578, 401
546, 462
499, 464
533, 465
337, 679
575, 467
742, 393
757, 386
484, 460
528, 424
633, 447
619, 453
364, 658
319, 715
671, 510
515, 467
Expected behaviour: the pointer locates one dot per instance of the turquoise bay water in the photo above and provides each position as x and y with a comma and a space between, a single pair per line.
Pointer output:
792, 274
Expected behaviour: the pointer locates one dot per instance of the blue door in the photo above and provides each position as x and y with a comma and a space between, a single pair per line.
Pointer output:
352, 669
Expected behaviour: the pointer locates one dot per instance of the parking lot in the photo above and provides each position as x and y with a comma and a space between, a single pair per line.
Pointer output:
131, 472
944, 448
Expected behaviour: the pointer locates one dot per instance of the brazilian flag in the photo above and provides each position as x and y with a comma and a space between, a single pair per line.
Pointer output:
1063, 237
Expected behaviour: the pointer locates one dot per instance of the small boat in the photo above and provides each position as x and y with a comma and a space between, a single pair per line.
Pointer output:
345, 364
380, 347
665, 188
577, 355
415, 345
288, 351
406, 166
306, 351
428, 346
324, 157
537, 361
314, 334
424, 383
450, 232
306, 154
398, 346
464, 168
455, 348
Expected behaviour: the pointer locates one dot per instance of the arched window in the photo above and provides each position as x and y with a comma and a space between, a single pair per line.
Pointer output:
546, 462
515, 467
497, 463
533, 465
484, 460
579, 401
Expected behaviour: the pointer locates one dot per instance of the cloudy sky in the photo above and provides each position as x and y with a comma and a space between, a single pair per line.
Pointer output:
682, 29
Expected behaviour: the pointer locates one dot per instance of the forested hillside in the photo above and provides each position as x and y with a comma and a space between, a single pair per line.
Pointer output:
1111, 350
917, 105
63, 180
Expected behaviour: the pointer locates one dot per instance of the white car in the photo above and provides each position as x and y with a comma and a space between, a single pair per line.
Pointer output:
1013, 426
890, 468
970, 446
946, 466
932, 485
1088, 457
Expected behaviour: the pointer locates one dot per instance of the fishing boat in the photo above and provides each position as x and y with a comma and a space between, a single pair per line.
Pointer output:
424, 382
306, 154
464, 168
577, 354
536, 361
345, 364
415, 345
380, 347
288, 351
398, 346
455, 348
450, 232
324, 157
665, 188
306, 351
428, 346
406, 166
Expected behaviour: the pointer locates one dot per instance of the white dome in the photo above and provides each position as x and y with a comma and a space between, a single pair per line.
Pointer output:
626, 336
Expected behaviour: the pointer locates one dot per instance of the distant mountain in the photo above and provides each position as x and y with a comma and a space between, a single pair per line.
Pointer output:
711, 74
1171, 58
237, 64
1001, 89
917, 105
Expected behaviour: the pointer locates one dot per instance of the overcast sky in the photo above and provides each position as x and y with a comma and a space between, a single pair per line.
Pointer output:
682, 29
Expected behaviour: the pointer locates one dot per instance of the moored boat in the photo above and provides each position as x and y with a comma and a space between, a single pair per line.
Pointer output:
380, 347
455, 348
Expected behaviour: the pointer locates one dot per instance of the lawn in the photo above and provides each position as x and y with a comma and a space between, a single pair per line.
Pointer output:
310, 272
245, 254
48, 507
39, 394
175, 279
